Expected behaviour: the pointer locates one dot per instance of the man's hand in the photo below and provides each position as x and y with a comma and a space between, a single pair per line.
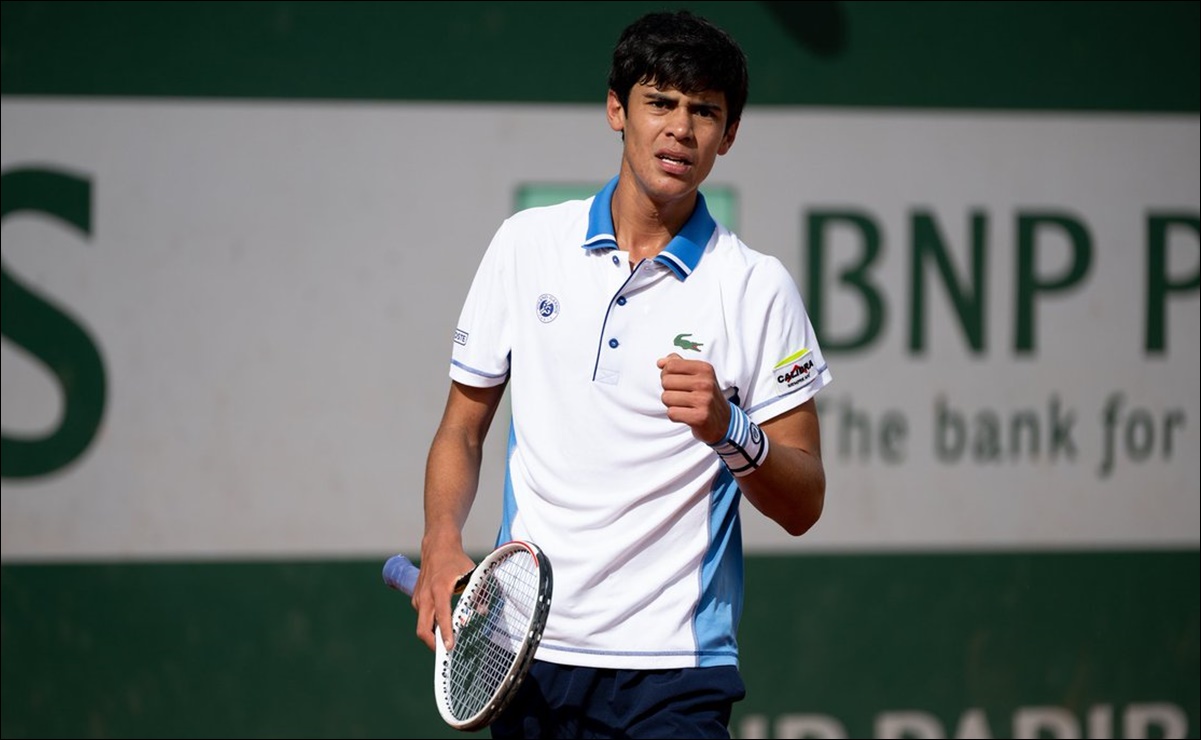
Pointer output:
432, 595
693, 397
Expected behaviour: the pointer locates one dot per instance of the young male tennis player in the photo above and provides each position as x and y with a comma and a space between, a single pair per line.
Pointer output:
660, 371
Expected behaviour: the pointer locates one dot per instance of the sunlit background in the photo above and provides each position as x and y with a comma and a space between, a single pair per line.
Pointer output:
236, 237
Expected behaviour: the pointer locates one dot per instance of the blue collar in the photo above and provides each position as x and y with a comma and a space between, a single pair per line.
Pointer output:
682, 253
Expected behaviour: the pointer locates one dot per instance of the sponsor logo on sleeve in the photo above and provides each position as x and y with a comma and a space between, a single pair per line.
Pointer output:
460, 337
794, 371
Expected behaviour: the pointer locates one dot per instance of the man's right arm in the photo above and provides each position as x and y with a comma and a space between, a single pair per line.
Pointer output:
451, 479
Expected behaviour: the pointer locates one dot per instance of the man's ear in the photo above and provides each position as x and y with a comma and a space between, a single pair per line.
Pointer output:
728, 139
615, 113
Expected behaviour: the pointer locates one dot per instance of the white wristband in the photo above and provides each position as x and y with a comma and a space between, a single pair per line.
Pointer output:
744, 447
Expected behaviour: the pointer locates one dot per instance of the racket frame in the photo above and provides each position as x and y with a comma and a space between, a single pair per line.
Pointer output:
524, 655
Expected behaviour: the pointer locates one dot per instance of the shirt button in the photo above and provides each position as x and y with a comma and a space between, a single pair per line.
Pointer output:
616, 261
613, 343
621, 300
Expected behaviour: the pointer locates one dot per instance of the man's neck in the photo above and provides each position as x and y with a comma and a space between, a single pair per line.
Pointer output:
643, 227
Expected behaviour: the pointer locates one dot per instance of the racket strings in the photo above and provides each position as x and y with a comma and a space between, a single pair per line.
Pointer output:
492, 623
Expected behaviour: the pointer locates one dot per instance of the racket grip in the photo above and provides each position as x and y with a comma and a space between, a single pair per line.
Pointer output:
400, 574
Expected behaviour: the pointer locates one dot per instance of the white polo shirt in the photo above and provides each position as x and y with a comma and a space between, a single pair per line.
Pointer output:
638, 518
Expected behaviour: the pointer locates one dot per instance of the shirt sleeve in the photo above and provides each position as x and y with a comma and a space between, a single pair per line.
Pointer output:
789, 368
482, 339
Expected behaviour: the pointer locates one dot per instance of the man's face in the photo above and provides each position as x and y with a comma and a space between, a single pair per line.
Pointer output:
671, 138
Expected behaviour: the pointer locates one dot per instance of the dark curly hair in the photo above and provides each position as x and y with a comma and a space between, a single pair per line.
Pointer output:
682, 51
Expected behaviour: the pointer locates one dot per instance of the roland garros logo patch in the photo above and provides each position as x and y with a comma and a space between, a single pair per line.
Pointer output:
548, 308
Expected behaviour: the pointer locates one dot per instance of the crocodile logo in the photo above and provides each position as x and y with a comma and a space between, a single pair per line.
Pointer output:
683, 342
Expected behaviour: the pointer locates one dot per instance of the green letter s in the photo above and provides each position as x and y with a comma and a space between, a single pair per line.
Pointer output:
48, 333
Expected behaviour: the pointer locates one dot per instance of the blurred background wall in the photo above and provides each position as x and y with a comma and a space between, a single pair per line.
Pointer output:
236, 237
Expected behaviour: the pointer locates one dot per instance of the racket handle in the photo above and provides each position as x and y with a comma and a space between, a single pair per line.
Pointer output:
400, 574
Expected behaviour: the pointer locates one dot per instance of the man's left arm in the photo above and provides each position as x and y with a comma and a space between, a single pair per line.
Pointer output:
789, 486
787, 481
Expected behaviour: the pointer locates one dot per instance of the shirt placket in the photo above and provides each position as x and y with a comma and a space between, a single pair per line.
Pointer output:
619, 321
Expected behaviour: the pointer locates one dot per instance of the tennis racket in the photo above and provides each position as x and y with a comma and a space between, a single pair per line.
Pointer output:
498, 622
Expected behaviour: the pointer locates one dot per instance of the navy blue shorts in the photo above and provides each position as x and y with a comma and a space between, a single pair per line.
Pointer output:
559, 701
